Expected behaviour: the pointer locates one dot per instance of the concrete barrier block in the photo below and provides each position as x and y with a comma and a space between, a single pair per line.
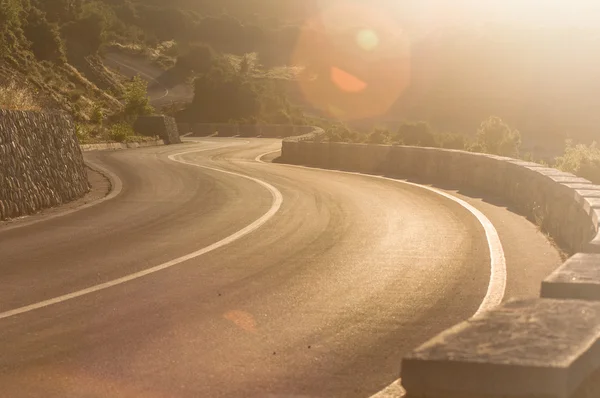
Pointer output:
533, 348
578, 278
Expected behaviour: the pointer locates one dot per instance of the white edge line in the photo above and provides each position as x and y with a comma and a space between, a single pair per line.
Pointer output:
259, 157
275, 206
497, 283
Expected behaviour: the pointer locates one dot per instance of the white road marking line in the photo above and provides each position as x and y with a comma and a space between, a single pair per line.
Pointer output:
259, 157
497, 284
275, 206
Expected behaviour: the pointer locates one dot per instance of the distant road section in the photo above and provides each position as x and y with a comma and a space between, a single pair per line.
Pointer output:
160, 91
338, 276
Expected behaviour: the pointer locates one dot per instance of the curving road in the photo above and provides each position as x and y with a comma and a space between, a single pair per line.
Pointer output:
213, 275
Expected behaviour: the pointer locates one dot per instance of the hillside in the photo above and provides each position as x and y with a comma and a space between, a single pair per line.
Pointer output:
540, 80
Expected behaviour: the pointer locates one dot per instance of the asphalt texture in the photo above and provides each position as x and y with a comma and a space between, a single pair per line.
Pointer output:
322, 300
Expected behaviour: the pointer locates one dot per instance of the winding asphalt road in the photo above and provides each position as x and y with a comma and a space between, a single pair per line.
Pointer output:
214, 275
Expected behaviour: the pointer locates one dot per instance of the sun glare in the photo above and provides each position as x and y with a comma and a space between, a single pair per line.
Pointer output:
520, 12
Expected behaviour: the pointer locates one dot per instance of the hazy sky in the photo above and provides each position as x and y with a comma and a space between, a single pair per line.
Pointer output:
435, 13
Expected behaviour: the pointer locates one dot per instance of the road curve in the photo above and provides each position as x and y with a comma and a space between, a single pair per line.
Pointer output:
321, 299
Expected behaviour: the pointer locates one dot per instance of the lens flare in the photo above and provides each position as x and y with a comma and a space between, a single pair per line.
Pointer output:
367, 39
346, 81
357, 58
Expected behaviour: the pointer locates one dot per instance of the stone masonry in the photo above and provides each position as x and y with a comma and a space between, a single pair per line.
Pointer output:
41, 164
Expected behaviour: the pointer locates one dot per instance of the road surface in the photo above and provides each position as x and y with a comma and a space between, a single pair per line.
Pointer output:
338, 276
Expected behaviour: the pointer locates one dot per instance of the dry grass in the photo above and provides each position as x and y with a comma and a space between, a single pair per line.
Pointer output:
19, 98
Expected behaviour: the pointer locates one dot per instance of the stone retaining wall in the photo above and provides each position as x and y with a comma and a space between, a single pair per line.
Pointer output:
41, 164
542, 348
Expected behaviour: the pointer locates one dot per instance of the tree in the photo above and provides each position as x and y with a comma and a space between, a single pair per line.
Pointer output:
496, 137
10, 25
46, 43
199, 59
582, 160
136, 98
415, 134
86, 34
60, 11
378, 136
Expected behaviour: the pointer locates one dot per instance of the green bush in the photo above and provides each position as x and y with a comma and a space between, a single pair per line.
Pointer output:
498, 138
82, 133
18, 98
582, 160
415, 134
46, 43
452, 141
340, 133
378, 136
97, 115
120, 132
199, 59
137, 102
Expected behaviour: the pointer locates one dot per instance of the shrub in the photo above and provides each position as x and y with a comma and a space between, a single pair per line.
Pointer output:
415, 134
136, 98
378, 136
17, 98
199, 59
82, 133
582, 160
120, 132
452, 141
46, 43
496, 137
97, 115
340, 133
10, 25
87, 34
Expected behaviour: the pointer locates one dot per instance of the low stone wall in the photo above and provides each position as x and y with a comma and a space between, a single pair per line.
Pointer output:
566, 206
41, 164
542, 348
107, 146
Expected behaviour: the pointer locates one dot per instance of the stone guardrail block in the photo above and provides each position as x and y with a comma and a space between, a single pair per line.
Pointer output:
41, 164
524, 349
578, 278
158, 125
547, 196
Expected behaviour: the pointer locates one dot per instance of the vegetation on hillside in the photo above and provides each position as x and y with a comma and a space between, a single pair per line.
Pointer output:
51, 56
17, 98
582, 160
